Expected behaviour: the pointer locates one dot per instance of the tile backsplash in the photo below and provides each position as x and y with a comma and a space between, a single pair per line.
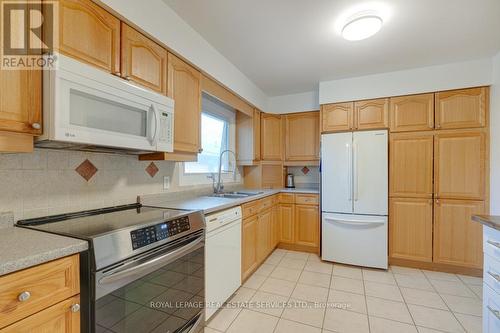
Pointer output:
45, 182
312, 176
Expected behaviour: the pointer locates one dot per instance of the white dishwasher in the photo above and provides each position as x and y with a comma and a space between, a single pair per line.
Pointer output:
222, 257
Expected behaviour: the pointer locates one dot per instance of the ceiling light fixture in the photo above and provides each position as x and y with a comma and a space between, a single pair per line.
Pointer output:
362, 26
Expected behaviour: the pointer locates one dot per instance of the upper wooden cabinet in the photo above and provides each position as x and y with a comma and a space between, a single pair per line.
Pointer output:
90, 34
458, 240
464, 108
410, 229
302, 136
411, 165
248, 138
271, 137
185, 89
459, 164
412, 113
307, 225
142, 60
371, 114
337, 117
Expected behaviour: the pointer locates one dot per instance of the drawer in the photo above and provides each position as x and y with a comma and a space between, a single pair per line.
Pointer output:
266, 203
287, 198
491, 273
491, 242
250, 208
276, 199
491, 310
34, 289
307, 199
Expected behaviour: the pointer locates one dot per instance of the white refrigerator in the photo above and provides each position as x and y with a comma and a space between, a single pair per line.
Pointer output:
354, 198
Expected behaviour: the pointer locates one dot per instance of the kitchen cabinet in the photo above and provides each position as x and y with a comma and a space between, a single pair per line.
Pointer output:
302, 138
142, 60
248, 138
411, 165
275, 232
287, 219
248, 246
50, 290
337, 117
271, 137
458, 240
90, 34
265, 175
463, 108
412, 113
371, 114
460, 164
410, 229
264, 229
306, 225
184, 88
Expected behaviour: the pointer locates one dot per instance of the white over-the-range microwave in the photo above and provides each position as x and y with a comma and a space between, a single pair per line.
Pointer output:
85, 108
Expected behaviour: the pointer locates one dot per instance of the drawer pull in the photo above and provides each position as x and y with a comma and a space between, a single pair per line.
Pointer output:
495, 312
495, 276
75, 307
24, 296
495, 244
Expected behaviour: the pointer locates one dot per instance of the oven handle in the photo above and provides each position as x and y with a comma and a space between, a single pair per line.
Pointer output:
162, 260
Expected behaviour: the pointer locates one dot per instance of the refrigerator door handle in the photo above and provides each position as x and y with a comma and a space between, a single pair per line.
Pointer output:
354, 222
355, 161
349, 174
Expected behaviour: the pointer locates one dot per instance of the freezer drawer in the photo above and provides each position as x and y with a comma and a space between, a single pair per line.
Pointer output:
359, 240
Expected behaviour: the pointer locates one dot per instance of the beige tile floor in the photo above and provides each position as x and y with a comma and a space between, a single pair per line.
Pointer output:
308, 295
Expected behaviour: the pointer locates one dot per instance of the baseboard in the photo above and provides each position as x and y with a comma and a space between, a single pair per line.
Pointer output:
431, 266
296, 247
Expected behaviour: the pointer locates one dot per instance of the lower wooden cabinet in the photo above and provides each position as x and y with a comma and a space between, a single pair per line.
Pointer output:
286, 218
264, 228
307, 225
410, 229
248, 246
457, 240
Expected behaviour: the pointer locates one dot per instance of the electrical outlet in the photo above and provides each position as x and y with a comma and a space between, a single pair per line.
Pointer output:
166, 182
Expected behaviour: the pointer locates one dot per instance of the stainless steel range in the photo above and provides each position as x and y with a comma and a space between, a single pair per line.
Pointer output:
144, 271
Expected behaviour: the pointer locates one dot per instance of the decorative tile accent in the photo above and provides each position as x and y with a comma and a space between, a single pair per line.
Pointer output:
152, 169
305, 170
87, 170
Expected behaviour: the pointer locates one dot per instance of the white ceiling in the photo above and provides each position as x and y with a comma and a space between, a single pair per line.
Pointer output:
288, 46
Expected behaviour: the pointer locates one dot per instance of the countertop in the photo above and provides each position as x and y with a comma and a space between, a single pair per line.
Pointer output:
488, 220
213, 204
22, 248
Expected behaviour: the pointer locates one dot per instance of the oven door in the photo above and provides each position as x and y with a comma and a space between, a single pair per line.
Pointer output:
158, 291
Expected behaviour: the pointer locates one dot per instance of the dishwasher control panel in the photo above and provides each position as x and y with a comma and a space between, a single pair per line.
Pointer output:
155, 233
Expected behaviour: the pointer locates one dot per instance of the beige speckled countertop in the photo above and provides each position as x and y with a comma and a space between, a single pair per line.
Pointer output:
488, 220
210, 204
21, 248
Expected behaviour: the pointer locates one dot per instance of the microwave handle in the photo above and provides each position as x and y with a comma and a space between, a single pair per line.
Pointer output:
152, 136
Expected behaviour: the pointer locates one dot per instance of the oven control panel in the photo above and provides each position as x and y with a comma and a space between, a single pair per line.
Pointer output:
155, 233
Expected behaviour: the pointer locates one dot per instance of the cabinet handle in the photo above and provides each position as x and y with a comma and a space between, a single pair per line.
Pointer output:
438, 126
119, 74
127, 78
495, 244
495, 312
24, 296
36, 126
495, 276
200, 150
75, 307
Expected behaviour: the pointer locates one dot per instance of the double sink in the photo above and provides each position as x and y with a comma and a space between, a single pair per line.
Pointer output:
235, 195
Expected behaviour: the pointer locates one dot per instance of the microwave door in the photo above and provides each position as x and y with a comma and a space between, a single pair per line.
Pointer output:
152, 126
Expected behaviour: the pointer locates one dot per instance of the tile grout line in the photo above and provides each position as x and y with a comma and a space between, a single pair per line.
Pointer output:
404, 300
366, 300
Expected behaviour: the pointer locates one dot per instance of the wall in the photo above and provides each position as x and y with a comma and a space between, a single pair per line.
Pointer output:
45, 182
161, 22
307, 101
495, 138
413, 81
311, 179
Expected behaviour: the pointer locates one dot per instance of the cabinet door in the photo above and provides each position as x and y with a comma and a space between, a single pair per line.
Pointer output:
286, 216
249, 246
271, 137
464, 108
58, 318
307, 225
460, 159
337, 117
184, 87
412, 113
371, 114
21, 101
90, 34
143, 61
302, 137
411, 165
263, 235
276, 227
410, 229
458, 240
256, 135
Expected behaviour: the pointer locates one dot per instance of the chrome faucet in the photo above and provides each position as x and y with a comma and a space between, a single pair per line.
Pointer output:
219, 187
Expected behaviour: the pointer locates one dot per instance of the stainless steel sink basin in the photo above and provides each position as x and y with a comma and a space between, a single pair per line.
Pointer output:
236, 195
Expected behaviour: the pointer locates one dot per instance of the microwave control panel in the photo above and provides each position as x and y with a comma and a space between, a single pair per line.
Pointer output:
155, 233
